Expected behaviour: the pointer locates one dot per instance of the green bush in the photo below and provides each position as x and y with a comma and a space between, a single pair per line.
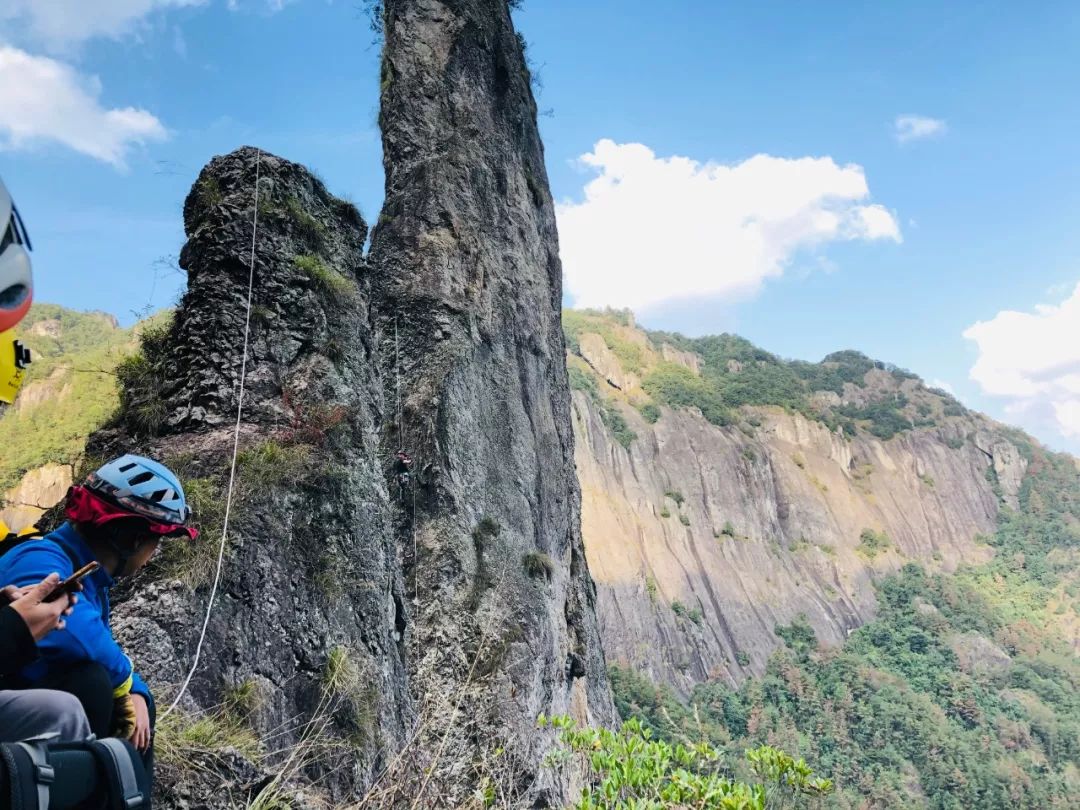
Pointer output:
675, 495
630, 769
583, 381
650, 412
678, 387
872, 543
615, 422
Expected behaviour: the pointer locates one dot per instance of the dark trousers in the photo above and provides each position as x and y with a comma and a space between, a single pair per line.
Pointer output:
89, 682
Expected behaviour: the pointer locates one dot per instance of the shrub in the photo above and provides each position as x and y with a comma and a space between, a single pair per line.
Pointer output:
678, 608
629, 769
581, 380
650, 412
208, 191
650, 589
538, 565
742, 659
614, 422
665, 512
872, 543
352, 697
684, 520
728, 529
142, 380
678, 387
675, 495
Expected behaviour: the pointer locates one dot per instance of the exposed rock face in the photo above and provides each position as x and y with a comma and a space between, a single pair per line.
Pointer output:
768, 527
311, 564
687, 359
38, 490
596, 353
469, 291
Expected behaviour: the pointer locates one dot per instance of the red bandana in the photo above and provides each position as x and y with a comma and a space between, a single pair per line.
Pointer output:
85, 507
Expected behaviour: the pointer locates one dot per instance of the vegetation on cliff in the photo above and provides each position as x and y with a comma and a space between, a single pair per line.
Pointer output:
840, 391
962, 693
70, 387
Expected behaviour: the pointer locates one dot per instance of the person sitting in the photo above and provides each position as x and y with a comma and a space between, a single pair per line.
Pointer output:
25, 619
118, 518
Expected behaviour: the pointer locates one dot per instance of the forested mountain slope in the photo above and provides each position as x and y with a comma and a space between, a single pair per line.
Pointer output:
899, 573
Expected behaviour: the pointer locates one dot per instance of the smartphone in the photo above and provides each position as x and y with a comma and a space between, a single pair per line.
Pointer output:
71, 584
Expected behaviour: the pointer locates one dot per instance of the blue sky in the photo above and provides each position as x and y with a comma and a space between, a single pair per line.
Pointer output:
840, 234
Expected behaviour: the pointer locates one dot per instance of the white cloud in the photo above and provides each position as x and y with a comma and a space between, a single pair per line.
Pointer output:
43, 100
916, 127
652, 229
944, 386
1032, 361
61, 24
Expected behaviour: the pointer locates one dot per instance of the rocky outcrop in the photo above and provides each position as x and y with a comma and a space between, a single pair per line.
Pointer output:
603, 361
311, 573
703, 539
37, 491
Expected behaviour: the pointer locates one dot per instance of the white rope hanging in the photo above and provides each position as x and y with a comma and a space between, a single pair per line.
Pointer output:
236, 447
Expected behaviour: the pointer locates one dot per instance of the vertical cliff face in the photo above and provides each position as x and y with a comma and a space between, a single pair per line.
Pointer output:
468, 279
703, 538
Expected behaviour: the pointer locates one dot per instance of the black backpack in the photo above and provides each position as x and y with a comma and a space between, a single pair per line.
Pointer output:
95, 775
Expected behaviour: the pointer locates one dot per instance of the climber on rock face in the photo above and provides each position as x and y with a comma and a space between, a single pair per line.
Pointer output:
403, 465
117, 518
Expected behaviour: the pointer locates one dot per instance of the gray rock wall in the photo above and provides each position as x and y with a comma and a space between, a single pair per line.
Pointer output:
795, 498
469, 286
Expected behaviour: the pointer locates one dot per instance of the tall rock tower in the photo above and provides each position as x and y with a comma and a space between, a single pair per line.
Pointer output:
404, 572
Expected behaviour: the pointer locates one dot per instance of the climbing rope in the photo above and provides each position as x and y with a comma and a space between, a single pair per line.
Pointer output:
235, 451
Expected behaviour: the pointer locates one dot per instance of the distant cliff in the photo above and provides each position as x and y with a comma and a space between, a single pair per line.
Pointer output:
703, 536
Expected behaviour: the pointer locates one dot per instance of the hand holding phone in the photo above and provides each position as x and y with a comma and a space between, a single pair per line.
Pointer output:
72, 583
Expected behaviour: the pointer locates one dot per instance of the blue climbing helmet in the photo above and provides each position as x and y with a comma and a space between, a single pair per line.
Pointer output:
143, 487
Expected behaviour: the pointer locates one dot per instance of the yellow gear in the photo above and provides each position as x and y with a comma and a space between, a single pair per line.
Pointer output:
14, 358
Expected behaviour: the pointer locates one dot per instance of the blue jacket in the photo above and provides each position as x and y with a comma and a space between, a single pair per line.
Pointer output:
87, 635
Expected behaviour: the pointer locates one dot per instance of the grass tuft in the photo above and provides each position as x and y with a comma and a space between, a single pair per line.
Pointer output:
538, 565
327, 280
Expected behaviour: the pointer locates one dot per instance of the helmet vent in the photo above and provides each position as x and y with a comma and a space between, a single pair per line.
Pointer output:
127, 467
141, 478
13, 296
